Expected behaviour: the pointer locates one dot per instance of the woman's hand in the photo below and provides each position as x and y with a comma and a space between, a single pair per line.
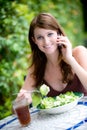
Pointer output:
25, 94
65, 47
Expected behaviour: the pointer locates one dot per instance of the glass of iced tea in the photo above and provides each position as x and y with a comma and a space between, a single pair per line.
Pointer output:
21, 108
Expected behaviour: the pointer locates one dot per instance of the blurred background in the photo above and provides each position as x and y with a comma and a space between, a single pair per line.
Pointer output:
15, 18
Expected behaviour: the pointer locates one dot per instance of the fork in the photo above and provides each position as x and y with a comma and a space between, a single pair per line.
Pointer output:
29, 91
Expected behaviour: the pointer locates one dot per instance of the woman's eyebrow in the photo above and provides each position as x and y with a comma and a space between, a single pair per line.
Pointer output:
39, 35
36, 35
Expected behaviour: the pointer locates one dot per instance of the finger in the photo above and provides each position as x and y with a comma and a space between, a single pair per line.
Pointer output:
22, 91
20, 94
58, 37
62, 45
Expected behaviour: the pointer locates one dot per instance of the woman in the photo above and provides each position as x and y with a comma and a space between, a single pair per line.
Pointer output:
54, 62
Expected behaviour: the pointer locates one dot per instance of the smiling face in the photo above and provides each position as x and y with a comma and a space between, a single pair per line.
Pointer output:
45, 39
42, 25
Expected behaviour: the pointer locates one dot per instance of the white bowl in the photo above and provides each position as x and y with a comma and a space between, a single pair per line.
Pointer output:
63, 108
60, 109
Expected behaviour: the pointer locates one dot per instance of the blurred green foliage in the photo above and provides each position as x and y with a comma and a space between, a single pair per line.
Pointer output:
15, 17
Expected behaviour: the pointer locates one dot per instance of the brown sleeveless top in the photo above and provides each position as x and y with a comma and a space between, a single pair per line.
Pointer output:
74, 86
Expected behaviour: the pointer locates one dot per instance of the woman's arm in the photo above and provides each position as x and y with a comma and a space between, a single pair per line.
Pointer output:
76, 58
28, 86
79, 64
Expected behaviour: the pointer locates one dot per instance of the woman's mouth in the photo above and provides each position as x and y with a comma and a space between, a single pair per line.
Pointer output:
47, 46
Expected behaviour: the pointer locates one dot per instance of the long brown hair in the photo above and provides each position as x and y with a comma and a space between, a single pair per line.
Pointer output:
39, 60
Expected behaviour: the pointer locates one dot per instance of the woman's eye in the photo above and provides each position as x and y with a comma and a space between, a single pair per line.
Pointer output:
50, 34
40, 37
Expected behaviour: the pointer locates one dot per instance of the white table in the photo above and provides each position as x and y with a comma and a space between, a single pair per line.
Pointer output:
76, 119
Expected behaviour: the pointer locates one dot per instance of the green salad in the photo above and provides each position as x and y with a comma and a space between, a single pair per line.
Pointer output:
41, 101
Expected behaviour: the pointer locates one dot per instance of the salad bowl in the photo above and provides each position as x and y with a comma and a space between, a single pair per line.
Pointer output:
60, 109
63, 108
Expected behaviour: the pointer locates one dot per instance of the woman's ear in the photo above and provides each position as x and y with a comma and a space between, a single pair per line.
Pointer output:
58, 33
33, 39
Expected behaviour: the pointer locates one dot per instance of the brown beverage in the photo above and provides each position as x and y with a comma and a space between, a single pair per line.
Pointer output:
23, 115
22, 110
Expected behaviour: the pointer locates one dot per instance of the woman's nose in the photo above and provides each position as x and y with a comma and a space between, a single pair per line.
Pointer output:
46, 41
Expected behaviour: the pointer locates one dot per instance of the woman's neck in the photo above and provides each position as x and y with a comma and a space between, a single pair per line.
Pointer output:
53, 59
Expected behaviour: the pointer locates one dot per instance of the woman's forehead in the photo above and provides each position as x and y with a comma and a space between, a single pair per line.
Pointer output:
43, 30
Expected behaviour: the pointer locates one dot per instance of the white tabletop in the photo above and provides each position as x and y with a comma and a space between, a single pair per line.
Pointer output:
76, 119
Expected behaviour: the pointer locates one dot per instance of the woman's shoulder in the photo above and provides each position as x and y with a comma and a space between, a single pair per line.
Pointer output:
79, 52
79, 49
